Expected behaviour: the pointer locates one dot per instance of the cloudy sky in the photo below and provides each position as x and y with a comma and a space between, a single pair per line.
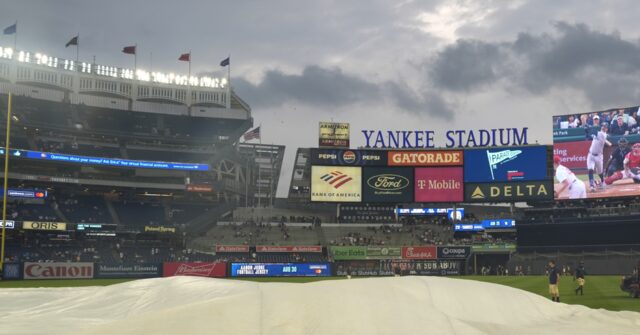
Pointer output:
429, 65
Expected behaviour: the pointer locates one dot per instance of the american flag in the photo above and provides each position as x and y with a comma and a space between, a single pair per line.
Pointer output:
253, 134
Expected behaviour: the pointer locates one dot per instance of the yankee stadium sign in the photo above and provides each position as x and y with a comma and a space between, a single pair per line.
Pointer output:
412, 139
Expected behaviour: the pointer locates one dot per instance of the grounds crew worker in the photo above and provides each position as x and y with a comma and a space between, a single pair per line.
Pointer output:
554, 280
579, 277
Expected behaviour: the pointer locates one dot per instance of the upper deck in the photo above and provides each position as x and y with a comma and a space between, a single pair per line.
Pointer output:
56, 79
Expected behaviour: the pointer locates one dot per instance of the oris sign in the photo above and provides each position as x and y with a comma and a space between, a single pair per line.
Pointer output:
454, 252
58, 270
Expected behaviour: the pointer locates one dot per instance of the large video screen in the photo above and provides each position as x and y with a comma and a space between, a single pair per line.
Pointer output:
505, 164
594, 154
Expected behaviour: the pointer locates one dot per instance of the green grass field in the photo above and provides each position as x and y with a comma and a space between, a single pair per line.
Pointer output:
600, 291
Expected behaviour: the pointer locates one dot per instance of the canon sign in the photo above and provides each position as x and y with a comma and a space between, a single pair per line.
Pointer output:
454, 252
58, 270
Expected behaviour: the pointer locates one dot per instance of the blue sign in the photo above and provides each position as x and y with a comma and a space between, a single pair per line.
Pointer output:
432, 211
88, 160
468, 227
280, 269
505, 164
24, 193
485, 224
12, 271
499, 224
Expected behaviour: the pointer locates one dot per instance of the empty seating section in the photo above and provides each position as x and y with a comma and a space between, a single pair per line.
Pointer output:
31, 212
184, 213
140, 214
84, 209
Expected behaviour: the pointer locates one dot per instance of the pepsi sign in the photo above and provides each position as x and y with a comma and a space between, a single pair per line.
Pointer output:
348, 157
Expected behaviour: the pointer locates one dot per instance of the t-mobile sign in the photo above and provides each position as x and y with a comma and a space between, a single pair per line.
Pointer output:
439, 184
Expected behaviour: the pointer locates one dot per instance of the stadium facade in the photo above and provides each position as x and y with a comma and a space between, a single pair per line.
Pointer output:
109, 156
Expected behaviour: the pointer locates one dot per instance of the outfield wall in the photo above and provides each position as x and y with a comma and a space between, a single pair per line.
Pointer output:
86, 270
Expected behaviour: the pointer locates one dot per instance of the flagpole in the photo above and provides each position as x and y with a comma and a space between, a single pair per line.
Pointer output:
229, 83
271, 178
78, 48
15, 41
259, 173
6, 179
189, 78
135, 58
189, 99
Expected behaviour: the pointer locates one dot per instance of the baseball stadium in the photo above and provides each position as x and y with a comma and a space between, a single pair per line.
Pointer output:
141, 202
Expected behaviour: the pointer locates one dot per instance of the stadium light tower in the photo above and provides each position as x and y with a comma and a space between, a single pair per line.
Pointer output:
6, 179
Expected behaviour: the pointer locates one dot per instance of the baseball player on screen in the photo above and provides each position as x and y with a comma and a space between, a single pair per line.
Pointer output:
596, 151
631, 167
568, 180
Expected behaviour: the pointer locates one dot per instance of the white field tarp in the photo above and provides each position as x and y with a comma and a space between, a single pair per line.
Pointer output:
406, 305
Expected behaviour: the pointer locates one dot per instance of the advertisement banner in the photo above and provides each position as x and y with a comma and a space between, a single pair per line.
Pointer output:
10, 224
144, 270
336, 184
468, 227
358, 268
499, 224
573, 155
24, 193
497, 248
40, 225
509, 192
334, 135
280, 269
454, 252
194, 269
102, 161
159, 229
199, 188
403, 267
426, 158
374, 252
12, 271
421, 267
58, 270
391, 185
501, 164
439, 184
232, 248
350, 252
348, 157
421, 252
276, 248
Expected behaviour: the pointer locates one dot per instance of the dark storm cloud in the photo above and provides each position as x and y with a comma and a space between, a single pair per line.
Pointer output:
315, 86
604, 66
466, 64
332, 88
